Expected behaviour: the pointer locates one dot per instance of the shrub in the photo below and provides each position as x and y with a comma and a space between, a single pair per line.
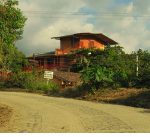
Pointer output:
32, 80
95, 77
73, 92
120, 78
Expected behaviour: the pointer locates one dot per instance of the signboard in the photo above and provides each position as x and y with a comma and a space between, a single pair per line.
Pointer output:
48, 74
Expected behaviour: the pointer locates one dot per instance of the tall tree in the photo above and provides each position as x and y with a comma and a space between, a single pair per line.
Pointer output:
12, 22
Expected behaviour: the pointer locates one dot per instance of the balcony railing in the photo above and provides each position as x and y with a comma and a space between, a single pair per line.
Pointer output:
67, 50
47, 66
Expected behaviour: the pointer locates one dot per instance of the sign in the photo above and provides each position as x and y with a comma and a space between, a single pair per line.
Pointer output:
48, 74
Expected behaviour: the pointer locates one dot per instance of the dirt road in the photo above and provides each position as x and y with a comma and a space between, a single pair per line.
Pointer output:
34, 113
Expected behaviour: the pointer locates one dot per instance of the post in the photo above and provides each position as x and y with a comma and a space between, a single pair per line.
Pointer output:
73, 41
33, 56
47, 81
33, 67
40, 63
137, 65
57, 60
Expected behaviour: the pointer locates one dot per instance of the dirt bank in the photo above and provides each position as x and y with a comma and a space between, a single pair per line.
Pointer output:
5, 116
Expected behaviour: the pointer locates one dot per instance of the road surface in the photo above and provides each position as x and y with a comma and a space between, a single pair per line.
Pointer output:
33, 113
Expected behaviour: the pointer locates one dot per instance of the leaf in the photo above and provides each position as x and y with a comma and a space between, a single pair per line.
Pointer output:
85, 60
98, 71
97, 78
86, 78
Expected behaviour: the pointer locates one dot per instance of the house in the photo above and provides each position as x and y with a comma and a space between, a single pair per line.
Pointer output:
59, 59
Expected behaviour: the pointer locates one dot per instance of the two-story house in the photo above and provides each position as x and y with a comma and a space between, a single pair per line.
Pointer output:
58, 58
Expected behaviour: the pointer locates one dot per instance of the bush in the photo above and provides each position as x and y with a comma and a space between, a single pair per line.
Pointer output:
95, 77
73, 92
28, 80
120, 78
20, 80
43, 86
143, 80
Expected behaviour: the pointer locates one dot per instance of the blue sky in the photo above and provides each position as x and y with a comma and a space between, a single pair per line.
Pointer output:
89, 11
123, 1
120, 25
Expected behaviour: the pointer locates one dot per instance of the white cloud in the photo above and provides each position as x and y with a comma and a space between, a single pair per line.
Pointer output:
43, 37
121, 26
126, 41
130, 7
127, 22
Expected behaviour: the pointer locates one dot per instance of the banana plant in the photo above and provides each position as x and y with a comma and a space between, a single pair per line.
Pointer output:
96, 77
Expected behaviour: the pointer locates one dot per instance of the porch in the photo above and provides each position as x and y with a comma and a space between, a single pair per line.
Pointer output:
60, 63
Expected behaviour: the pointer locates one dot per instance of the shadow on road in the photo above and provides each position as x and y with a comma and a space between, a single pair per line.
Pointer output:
145, 111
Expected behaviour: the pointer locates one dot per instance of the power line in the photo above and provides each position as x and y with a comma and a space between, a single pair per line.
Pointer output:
84, 15
51, 12
49, 17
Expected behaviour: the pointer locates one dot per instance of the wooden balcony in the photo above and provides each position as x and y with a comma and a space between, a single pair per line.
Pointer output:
64, 51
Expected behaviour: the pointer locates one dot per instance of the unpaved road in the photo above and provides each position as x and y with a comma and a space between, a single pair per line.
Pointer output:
34, 113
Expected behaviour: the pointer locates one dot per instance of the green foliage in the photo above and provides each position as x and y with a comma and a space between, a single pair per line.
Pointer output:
120, 77
95, 77
29, 80
12, 22
109, 58
121, 67
143, 79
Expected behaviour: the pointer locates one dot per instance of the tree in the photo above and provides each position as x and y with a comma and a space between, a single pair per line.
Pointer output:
95, 77
12, 22
102, 68
111, 57
143, 79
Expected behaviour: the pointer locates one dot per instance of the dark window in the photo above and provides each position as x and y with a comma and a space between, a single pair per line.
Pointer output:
74, 40
57, 60
49, 61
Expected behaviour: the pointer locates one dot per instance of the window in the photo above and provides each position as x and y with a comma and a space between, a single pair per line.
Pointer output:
74, 40
49, 61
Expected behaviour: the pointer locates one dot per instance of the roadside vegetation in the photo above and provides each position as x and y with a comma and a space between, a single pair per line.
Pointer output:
111, 75
107, 75
12, 22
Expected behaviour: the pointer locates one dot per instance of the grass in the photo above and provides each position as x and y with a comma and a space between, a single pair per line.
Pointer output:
125, 96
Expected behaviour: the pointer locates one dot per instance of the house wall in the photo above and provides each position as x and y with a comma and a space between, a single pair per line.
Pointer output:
88, 39
62, 61
65, 43
45, 63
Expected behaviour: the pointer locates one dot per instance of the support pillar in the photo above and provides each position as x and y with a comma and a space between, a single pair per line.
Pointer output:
57, 60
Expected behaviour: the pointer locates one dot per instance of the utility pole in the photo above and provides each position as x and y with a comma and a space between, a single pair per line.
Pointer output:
137, 65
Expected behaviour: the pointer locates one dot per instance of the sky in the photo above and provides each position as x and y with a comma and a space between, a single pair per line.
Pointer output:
125, 21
